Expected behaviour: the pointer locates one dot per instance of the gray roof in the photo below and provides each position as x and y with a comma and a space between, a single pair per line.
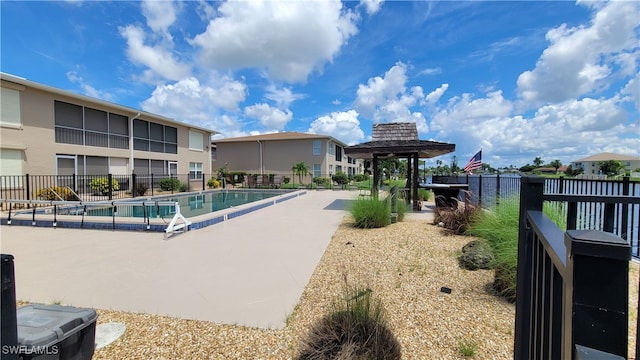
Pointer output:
397, 140
394, 131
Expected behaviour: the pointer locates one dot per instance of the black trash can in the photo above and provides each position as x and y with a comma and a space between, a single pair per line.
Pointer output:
54, 332
9, 346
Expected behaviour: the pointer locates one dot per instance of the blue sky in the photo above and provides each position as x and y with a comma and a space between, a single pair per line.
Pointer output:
552, 79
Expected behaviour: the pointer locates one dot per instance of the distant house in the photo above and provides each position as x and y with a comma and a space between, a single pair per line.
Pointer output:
590, 165
551, 170
50, 131
276, 153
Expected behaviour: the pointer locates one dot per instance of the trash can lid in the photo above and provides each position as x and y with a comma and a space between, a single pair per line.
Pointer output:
46, 325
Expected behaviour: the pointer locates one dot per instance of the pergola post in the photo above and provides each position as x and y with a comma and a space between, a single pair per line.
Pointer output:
376, 178
416, 202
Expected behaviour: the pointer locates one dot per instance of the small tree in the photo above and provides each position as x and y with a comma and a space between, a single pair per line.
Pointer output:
610, 167
301, 169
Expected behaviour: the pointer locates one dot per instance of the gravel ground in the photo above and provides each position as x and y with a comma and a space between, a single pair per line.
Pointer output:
405, 264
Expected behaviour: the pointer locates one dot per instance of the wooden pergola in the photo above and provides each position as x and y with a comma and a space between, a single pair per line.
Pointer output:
398, 140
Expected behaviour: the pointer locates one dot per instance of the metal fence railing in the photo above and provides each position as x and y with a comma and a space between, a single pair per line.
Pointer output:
489, 190
572, 291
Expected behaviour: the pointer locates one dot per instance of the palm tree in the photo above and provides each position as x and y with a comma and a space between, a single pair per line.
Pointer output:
301, 169
537, 162
556, 164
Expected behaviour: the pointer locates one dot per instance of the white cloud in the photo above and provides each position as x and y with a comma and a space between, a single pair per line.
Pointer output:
555, 131
160, 16
271, 118
289, 39
386, 99
190, 101
431, 71
577, 61
372, 6
87, 89
379, 90
282, 97
343, 126
632, 89
158, 59
436, 94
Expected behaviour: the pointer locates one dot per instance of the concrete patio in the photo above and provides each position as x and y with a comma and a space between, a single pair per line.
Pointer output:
250, 270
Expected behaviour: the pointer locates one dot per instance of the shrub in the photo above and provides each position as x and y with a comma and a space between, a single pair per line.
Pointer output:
50, 194
355, 329
322, 181
101, 185
455, 219
371, 213
169, 184
141, 189
499, 227
402, 209
340, 178
213, 183
286, 179
360, 177
184, 187
424, 194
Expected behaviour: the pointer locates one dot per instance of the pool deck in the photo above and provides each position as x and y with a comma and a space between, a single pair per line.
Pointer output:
250, 270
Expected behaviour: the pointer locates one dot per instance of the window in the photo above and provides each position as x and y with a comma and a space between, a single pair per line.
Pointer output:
195, 171
214, 153
79, 125
316, 170
338, 153
10, 164
96, 165
10, 114
330, 148
149, 136
317, 146
196, 141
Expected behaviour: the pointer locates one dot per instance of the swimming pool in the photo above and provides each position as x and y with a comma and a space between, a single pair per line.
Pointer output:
191, 205
202, 209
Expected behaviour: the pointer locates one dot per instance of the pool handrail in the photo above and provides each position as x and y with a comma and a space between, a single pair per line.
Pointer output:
172, 228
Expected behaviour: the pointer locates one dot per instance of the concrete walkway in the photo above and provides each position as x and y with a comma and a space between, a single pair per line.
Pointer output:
250, 270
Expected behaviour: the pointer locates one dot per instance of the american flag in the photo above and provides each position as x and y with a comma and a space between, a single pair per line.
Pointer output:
475, 163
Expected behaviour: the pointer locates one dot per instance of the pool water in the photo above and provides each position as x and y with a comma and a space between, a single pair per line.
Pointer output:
190, 205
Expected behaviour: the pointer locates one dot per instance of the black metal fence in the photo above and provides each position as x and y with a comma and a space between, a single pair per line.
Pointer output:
621, 219
572, 288
96, 187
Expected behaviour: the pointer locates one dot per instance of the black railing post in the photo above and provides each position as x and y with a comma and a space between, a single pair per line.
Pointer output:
28, 183
204, 183
110, 182
625, 210
597, 289
498, 189
531, 190
480, 190
133, 185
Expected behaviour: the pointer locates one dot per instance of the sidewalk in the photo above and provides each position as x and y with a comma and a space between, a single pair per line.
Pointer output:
250, 270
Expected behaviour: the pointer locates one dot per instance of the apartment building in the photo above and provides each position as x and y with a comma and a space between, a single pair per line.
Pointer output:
49, 131
276, 153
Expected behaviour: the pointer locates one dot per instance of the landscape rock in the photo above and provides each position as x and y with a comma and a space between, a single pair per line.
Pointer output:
476, 255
